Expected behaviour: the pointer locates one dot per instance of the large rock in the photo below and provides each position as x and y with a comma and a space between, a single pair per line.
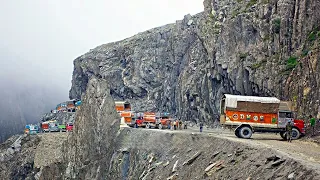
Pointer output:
238, 47
89, 150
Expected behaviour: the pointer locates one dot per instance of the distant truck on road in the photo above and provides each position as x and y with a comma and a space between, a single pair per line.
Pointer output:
249, 114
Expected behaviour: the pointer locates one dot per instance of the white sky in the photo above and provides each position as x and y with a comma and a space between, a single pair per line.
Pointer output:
39, 39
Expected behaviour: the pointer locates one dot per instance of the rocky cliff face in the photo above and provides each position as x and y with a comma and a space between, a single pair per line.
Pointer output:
265, 47
88, 151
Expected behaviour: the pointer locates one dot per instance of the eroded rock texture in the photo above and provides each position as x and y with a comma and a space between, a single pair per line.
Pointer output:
264, 47
89, 150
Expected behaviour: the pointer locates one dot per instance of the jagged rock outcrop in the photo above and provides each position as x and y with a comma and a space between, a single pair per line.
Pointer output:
266, 48
89, 150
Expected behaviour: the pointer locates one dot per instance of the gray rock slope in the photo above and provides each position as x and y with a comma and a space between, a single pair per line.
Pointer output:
264, 47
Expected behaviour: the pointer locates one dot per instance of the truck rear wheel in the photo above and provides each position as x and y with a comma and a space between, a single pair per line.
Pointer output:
148, 125
236, 132
295, 133
245, 132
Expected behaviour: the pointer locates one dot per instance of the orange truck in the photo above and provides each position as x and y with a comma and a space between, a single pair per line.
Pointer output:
122, 106
157, 120
249, 114
128, 117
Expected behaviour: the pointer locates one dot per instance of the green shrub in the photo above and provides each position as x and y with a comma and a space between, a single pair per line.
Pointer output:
291, 62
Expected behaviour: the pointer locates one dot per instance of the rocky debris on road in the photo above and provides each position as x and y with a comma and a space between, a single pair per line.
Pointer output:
193, 158
175, 167
173, 177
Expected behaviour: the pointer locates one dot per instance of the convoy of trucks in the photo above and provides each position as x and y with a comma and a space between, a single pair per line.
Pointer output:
139, 119
249, 114
68, 106
245, 114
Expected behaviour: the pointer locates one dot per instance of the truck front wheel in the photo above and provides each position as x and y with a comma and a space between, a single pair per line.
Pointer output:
245, 132
295, 133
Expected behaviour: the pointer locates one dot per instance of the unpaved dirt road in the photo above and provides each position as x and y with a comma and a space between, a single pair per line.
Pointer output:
306, 152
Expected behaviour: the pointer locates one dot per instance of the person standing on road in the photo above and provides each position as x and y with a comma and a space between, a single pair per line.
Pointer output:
201, 126
180, 124
185, 125
312, 124
289, 131
175, 125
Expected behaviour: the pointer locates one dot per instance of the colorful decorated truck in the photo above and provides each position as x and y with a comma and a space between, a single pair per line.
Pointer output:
69, 127
62, 127
50, 126
249, 114
31, 129
62, 107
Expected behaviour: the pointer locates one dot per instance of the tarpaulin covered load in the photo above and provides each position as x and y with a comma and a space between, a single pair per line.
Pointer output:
252, 103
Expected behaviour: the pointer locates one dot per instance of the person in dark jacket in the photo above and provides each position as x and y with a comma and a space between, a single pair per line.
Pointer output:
201, 126
289, 130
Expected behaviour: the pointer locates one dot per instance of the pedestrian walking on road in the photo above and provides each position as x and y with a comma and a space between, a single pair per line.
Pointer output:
180, 124
175, 125
312, 124
185, 125
289, 131
201, 126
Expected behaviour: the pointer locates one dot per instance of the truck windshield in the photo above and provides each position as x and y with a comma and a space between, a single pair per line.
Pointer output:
285, 114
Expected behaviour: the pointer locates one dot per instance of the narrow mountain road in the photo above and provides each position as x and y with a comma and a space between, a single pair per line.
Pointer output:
303, 151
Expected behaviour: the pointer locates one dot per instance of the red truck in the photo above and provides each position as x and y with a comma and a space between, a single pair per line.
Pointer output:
249, 114
69, 127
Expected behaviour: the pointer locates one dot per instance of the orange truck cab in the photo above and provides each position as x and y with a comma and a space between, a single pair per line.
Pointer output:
164, 120
128, 116
122, 106
249, 114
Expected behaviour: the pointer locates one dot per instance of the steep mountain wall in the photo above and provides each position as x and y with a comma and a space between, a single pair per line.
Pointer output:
266, 47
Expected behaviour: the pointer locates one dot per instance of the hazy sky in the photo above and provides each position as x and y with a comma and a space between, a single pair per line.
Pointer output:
41, 38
